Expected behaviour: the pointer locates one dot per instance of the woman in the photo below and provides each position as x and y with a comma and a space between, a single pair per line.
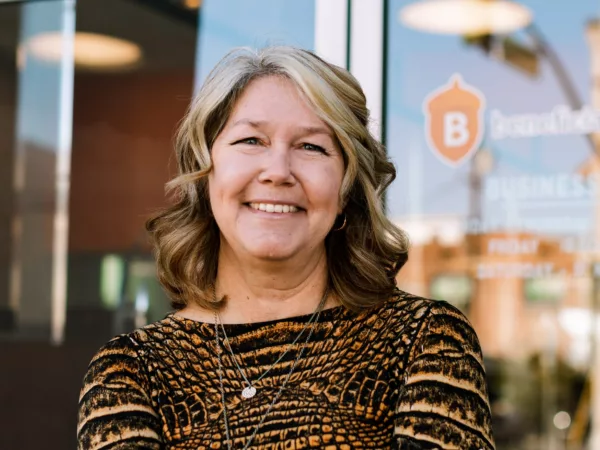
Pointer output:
289, 331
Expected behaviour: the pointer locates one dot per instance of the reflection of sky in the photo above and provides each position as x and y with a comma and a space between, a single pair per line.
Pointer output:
39, 83
254, 23
421, 62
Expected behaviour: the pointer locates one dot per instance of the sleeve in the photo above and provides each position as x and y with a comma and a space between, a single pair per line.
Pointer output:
115, 410
444, 402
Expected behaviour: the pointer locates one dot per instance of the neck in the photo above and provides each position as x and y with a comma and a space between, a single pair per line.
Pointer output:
270, 290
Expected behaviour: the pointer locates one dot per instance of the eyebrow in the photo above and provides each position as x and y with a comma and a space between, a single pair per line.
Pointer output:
306, 130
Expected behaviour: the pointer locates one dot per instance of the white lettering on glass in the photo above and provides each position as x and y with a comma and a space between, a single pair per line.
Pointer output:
455, 129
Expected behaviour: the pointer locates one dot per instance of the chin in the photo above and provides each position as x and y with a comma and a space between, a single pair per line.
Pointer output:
271, 252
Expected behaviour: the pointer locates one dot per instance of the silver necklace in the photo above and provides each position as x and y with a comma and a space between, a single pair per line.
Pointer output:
282, 387
249, 390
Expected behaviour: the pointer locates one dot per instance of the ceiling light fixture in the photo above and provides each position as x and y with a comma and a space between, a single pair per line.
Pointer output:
465, 17
94, 51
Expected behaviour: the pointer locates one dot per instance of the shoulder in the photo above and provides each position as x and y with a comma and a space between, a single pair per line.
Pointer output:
156, 332
413, 308
428, 317
117, 356
125, 349
439, 328
119, 347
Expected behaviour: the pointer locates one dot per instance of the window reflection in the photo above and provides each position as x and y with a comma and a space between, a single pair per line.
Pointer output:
256, 23
115, 119
124, 118
513, 211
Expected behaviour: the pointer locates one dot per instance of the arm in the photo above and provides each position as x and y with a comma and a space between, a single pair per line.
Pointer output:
444, 403
115, 411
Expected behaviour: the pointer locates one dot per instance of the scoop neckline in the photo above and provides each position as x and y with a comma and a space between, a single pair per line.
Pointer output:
325, 315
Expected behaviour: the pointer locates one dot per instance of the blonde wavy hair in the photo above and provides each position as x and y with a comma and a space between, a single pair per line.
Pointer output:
363, 258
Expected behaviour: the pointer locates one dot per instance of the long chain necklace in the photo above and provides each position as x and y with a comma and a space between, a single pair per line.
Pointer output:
282, 387
250, 390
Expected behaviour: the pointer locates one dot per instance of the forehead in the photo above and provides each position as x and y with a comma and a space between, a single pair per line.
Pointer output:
274, 99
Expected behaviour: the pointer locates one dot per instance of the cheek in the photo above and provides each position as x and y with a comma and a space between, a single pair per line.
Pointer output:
326, 186
221, 188
228, 177
336, 177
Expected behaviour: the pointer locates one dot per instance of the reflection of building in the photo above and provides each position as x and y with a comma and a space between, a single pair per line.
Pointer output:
508, 284
532, 294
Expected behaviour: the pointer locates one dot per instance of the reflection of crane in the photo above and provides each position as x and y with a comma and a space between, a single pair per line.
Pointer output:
526, 59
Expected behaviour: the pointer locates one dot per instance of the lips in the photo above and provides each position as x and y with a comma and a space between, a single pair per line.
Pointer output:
274, 207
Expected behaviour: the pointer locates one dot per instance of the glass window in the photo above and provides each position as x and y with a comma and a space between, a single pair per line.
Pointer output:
255, 23
90, 96
493, 127
10, 18
36, 110
127, 104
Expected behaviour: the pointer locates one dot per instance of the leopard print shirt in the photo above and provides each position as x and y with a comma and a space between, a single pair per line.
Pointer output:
407, 374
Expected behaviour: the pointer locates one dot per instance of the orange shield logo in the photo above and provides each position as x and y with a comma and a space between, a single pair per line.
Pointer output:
454, 121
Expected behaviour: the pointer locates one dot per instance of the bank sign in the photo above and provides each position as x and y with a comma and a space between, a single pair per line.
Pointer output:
454, 122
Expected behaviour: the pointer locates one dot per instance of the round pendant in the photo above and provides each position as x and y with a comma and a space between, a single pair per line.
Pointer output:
249, 392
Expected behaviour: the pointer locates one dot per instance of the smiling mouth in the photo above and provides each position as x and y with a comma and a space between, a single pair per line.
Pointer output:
273, 208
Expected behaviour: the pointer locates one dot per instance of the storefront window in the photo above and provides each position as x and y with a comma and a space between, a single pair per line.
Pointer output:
100, 91
35, 144
127, 105
493, 126
91, 95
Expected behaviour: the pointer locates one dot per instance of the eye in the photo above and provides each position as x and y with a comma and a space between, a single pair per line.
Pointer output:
250, 141
313, 147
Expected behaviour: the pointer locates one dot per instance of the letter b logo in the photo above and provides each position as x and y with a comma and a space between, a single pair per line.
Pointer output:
454, 121
456, 132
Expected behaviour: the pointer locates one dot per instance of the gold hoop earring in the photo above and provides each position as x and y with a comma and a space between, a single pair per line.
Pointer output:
343, 225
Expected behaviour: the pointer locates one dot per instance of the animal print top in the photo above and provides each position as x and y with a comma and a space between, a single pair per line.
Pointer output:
407, 374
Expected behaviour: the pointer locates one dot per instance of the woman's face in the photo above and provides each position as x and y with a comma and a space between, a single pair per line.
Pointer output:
274, 189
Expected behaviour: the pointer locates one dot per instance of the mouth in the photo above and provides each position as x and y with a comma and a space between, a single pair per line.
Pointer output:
274, 207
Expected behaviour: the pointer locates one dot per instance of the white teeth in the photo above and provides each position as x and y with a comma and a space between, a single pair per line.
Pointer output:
270, 207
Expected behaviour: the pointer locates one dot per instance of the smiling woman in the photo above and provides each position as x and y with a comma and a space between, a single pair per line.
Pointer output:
284, 157
289, 329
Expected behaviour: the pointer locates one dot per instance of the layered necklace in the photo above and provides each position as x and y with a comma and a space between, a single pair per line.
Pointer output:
250, 390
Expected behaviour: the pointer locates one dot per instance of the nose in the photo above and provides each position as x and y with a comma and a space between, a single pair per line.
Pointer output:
277, 166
